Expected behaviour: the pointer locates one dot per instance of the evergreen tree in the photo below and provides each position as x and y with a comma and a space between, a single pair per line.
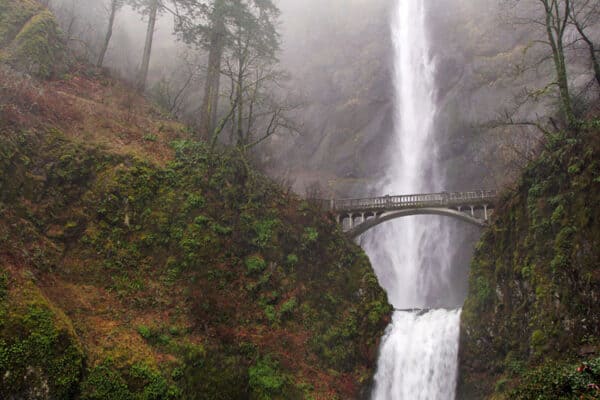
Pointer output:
225, 27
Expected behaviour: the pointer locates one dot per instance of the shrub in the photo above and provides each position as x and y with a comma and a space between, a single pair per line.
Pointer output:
255, 264
310, 235
560, 381
144, 332
265, 379
292, 259
288, 306
264, 231
271, 313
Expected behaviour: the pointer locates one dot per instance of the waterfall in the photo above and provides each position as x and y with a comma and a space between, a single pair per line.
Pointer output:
411, 256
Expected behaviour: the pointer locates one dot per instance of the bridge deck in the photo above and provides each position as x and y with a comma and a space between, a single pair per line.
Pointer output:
390, 203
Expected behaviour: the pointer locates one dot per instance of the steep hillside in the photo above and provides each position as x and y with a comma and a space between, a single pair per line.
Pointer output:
137, 264
531, 323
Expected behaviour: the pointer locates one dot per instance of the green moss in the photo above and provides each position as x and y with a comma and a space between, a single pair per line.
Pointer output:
139, 382
39, 354
538, 341
38, 48
105, 383
561, 381
533, 282
185, 240
13, 15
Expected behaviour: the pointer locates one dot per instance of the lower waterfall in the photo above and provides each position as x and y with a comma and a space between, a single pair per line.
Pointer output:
418, 356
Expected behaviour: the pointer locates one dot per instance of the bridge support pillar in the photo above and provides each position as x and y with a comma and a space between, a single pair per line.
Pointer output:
485, 213
362, 221
459, 208
351, 220
337, 218
472, 211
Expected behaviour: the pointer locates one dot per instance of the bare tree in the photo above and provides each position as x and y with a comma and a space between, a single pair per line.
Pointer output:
257, 113
547, 22
583, 16
173, 92
557, 14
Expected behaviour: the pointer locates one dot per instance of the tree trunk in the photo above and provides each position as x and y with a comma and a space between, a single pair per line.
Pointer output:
242, 140
148, 46
210, 102
592, 48
109, 32
555, 32
596, 64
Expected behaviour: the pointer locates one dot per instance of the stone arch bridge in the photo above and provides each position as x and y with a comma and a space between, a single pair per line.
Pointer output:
359, 215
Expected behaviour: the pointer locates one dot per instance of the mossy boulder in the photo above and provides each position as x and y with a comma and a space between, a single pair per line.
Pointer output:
40, 355
30, 39
532, 316
13, 16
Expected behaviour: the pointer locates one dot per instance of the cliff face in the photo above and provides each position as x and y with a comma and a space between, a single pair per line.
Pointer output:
531, 323
338, 56
136, 264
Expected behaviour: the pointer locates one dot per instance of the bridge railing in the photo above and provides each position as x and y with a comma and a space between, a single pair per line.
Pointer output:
445, 199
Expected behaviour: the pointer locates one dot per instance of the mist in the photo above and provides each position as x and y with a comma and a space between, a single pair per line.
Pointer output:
336, 57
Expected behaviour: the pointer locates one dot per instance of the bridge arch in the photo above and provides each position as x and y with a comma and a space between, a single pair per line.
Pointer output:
368, 224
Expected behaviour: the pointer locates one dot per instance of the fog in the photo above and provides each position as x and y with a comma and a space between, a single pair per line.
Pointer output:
493, 85
337, 56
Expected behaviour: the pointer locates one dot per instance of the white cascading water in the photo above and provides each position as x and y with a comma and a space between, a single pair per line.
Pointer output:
411, 256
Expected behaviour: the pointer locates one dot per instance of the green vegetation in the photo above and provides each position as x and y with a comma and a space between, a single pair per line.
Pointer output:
128, 224
159, 271
532, 315
30, 39
560, 381
13, 15
204, 243
266, 382
39, 353
255, 264
140, 382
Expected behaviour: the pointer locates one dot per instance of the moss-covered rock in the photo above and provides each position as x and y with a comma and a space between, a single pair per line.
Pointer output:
13, 16
30, 39
533, 301
40, 355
